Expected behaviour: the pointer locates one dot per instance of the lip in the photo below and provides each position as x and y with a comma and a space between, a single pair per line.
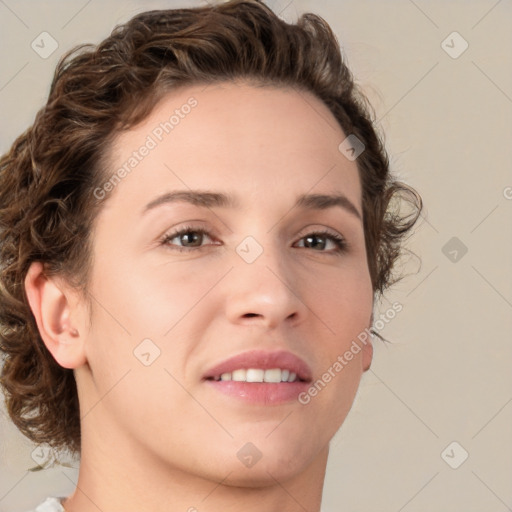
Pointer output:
264, 360
261, 393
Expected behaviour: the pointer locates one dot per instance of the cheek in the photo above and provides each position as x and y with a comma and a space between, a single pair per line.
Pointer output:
343, 300
149, 299
345, 309
149, 321
176, 301
138, 372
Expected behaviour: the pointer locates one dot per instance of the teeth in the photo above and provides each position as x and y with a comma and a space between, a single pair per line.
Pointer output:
273, 375
258, 375
255, 375
239, 375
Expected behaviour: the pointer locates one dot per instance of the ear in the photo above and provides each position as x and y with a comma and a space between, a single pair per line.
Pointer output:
367, 355
53, 308
368, 350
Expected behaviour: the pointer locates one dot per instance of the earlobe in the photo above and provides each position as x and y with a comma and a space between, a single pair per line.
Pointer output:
368, 349
367, 354
50, 303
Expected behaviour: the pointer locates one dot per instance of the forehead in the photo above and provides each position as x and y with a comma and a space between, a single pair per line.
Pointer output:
236, 135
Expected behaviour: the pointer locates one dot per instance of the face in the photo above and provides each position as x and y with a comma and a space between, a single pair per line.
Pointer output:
181, 283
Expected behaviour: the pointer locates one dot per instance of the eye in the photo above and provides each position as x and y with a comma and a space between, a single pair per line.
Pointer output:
319, 240
189, 238
185, 239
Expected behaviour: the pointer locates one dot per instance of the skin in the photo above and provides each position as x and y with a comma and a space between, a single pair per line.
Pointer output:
157, 437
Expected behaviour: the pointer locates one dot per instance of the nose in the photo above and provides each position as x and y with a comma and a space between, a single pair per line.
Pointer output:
265, 292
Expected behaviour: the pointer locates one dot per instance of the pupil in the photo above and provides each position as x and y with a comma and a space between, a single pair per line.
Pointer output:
310, 241
194, 237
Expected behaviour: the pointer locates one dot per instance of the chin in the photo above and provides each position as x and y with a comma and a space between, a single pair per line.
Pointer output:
261, 463
265, 473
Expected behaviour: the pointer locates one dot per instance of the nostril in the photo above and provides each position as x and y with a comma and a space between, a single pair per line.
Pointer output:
250, 315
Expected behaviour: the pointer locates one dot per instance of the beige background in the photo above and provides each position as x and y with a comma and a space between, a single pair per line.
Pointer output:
446, 377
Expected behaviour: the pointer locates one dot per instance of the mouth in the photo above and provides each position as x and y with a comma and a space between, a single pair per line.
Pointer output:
260, 377
261, 366
272, 375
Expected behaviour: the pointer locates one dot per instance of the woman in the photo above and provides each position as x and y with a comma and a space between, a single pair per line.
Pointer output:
193, 233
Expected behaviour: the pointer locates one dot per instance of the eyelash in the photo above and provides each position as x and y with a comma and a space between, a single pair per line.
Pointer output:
339, 241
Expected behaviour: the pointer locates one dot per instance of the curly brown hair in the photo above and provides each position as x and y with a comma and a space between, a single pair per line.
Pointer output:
47, 178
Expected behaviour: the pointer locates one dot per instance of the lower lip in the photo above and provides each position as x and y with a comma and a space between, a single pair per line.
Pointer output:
263, 393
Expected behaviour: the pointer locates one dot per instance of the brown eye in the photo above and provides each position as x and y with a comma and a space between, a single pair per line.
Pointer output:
185, 238
319, 241
191, 238
315, 241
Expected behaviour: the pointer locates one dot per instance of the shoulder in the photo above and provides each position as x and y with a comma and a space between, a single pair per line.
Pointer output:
50, 504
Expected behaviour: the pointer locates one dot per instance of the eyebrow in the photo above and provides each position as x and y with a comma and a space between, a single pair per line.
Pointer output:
221, 200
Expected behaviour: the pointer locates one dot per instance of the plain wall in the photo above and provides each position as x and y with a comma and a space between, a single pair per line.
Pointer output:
446, 375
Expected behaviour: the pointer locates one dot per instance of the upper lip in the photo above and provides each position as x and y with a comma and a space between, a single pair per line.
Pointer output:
265, 360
